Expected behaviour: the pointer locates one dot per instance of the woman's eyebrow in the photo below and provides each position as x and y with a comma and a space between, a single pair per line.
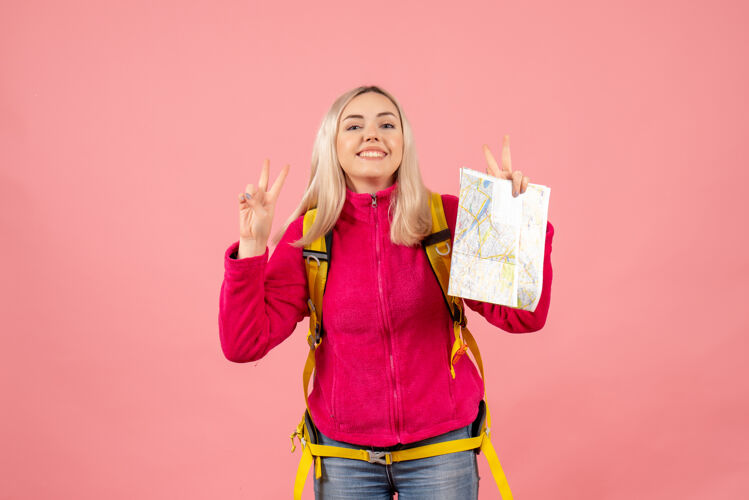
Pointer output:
378, 115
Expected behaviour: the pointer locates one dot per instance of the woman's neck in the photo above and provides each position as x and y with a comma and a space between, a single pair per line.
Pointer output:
370, 186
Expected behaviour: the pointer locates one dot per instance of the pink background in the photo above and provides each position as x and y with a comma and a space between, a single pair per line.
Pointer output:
126, 132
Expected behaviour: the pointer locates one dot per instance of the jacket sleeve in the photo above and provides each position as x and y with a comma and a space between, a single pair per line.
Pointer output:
507, 318
262, 299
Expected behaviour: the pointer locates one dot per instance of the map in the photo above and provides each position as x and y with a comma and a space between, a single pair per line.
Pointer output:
498, 250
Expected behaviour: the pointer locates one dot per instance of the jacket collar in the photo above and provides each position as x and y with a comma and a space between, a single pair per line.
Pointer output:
359, 205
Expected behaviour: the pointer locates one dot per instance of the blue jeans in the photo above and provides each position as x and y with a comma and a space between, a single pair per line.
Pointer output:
453, 476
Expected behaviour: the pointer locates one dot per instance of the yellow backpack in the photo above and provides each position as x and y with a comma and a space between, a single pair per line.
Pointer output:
437, 247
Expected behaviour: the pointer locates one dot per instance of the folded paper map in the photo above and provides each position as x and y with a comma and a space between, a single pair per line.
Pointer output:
498, 251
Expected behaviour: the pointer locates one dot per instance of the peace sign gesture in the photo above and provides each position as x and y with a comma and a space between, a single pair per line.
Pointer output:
519, 182
256, 207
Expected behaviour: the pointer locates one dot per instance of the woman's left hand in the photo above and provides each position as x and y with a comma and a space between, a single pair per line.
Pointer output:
519, 181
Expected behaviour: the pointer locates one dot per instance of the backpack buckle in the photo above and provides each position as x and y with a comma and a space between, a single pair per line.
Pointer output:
461, 351
380, 457
446, 252
314, 338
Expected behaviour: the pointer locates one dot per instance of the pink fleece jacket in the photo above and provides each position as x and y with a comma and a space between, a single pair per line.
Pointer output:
383, 374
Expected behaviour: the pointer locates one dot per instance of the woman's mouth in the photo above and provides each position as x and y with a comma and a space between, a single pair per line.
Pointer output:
371, 155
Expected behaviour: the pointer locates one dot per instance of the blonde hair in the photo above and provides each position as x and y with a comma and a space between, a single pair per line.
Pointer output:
326, 191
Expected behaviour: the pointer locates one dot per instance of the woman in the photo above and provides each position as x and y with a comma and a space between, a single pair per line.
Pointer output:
382, 377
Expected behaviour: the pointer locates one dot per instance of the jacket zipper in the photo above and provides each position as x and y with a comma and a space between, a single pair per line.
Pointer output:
382, 304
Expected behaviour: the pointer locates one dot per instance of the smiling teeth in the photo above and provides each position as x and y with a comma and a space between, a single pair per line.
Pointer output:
371, 154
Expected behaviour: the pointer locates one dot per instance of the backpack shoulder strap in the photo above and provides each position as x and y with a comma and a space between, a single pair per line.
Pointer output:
438, 250
316, 261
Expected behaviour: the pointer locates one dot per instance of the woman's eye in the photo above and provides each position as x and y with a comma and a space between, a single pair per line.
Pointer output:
386, 125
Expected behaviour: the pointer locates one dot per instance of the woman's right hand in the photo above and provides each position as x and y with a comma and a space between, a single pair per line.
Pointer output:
256, 207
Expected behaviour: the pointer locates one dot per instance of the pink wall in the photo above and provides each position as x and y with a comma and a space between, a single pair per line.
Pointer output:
127, 131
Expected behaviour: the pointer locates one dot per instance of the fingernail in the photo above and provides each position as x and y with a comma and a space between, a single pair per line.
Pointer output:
247, 196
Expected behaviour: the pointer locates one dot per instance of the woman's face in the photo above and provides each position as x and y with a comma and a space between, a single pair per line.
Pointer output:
369, 142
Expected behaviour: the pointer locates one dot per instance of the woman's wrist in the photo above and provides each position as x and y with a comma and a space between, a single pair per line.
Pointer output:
250, 248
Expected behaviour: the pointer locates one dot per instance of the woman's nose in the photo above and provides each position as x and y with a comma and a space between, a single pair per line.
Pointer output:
371, 132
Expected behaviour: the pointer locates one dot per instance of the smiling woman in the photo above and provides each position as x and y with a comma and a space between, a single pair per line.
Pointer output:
364, 118
394, 406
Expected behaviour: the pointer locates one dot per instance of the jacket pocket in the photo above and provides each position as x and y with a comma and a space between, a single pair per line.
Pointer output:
325, 382
333, 392
451, 383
